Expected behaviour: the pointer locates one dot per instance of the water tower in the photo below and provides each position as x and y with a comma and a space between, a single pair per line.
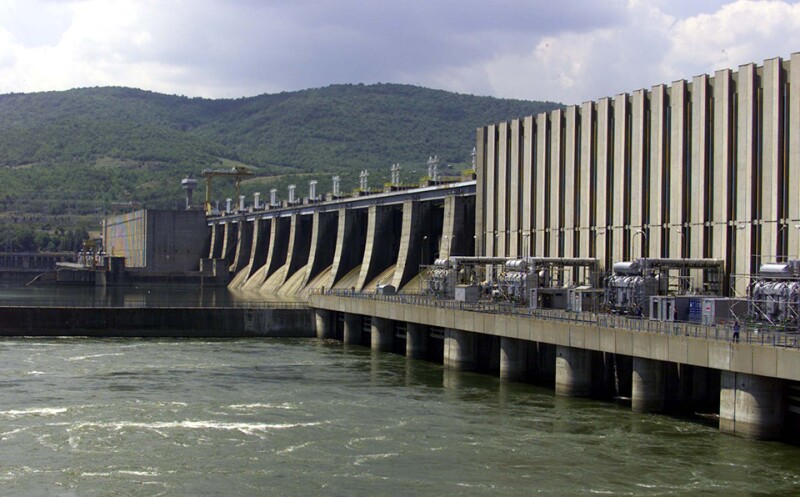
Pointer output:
189, 184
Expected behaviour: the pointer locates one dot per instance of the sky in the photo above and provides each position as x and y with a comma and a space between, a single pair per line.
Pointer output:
567, 51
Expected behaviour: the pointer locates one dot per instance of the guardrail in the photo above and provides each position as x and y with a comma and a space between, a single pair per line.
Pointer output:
82, 304
752, 335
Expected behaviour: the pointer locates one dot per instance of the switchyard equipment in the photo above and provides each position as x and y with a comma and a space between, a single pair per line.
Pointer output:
774, 295
237, 173
533, 281
633, 284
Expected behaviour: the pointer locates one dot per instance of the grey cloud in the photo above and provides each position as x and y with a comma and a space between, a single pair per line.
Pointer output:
309, 43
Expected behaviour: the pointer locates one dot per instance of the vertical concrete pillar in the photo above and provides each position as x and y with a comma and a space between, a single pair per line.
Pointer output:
573, 372
750, 405
480, 190
647, 387
512, 358
459, 350
658, 167
502, 186
324, 322
416, 340
490, 200
352, 329
382, 331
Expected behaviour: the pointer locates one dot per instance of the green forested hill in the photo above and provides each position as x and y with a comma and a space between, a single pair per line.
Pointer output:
80, 151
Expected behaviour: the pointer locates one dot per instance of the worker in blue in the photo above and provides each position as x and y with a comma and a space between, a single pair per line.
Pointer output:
736, 328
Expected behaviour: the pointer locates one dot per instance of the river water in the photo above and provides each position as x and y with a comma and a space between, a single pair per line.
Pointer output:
86, 417
89, 417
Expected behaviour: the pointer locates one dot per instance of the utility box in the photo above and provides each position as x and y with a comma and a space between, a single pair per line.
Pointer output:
467, 293
719, 310
581, 298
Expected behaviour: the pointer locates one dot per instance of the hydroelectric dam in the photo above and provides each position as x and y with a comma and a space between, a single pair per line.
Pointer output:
642, 247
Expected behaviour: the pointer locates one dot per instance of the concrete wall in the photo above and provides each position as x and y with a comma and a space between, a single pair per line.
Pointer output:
158, 240
157, 322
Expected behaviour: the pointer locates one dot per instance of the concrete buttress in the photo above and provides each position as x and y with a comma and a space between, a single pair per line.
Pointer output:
351, 236
416, 218
382, 242
323, 232
258, 250
243, 245
297, 251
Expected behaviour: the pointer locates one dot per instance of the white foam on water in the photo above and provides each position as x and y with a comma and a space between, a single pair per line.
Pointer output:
292, 448
94, 356
246, 428
34, 411
372, 457
262, 406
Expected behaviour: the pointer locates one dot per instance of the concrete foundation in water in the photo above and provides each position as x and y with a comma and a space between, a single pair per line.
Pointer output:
670, 373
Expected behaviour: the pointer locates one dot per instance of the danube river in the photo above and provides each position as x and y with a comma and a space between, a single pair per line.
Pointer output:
86, 417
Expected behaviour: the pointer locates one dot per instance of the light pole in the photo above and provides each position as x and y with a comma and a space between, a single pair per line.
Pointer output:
525, 244
644, 243
683, 239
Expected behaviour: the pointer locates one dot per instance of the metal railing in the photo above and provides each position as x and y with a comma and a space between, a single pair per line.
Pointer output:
761, 335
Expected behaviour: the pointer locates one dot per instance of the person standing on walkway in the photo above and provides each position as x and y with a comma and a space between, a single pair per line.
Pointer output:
736, 328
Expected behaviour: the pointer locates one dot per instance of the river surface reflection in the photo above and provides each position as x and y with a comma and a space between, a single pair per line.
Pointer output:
131, 296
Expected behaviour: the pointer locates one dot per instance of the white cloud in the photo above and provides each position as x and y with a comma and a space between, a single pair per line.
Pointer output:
532, 49
650, 47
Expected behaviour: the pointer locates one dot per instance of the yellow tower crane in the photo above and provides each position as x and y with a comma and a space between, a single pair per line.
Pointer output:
237, 172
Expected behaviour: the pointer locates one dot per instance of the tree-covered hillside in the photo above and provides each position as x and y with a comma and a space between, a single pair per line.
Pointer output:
80, 151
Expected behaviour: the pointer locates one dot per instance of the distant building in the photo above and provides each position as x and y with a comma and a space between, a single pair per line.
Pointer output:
157, 240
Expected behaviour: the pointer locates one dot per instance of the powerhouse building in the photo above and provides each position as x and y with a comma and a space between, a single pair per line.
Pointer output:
703, 169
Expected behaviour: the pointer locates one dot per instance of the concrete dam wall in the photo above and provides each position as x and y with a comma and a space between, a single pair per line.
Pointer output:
353, 246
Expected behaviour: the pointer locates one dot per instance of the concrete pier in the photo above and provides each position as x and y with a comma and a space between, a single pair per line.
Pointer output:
382, 242
299, 246
416, 341
512, 358
244, 244
382, 337
258, 249
351, 236
352, 329
459, 350
750, 405
323, 230
230, 239
573, 372
647, 390
323, 323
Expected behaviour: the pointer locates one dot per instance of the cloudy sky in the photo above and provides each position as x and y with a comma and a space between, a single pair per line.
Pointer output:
562, 50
